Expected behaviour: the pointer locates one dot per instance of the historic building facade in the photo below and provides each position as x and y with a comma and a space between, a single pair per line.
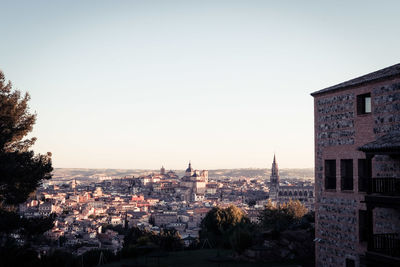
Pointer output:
274, 182
357, 151
196, 182
282, 194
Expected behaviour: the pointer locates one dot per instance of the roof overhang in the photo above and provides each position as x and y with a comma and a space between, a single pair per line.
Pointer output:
388, 144
383, 74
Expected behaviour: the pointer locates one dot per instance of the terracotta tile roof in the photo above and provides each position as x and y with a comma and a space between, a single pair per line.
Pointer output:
386, 143
373, 76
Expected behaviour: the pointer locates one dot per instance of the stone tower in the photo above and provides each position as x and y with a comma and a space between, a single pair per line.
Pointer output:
162, 171
274, 182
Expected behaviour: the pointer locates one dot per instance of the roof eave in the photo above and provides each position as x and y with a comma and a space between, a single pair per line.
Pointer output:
382, 74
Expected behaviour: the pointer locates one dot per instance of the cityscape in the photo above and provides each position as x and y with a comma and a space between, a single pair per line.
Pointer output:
188, 133
153, 202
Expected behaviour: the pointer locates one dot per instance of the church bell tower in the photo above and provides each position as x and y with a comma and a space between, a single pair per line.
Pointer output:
274, 182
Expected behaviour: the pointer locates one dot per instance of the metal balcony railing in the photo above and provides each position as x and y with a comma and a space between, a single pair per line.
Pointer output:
385, 186
388, 244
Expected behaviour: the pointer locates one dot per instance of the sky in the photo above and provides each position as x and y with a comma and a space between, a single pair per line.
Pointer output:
225, 84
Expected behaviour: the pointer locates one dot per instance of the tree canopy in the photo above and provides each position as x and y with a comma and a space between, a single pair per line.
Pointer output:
219, 220
282, 216
222, 225
21, 171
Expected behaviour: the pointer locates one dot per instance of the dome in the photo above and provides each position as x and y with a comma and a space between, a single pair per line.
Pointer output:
189, 169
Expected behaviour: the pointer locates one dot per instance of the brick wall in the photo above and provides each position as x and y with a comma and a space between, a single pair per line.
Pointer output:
339, 131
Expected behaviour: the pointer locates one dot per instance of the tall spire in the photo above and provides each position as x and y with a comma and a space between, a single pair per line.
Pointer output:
275, 171
274, 182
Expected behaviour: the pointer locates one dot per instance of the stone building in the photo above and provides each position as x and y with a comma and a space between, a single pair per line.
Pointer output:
357, 152
196, 181
282, 194
164, 218
274, 182
303, 193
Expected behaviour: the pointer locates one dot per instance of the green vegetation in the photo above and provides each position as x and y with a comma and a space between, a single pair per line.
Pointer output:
139, 242
197, 258
227, 228
289, 215
283, 232
21, 172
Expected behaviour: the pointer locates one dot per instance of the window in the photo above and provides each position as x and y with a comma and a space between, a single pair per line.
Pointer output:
330, 174
364, 173
362, 225
346, 173
364, 104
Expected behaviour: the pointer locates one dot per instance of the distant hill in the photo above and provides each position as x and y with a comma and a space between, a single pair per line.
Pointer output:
67, 174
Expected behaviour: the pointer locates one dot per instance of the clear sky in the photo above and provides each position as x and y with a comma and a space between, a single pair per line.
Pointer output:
140, 84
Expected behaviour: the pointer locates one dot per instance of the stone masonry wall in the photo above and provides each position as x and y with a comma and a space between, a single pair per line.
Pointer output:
339, 131
386, 221
386, 103
336, 215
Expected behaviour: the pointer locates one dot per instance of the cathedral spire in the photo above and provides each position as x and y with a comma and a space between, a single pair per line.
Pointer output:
275, 171
274, 182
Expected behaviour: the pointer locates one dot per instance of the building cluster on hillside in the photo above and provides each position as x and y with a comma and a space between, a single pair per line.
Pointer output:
154, 202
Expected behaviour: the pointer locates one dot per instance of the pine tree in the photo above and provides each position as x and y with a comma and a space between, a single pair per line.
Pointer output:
21, 170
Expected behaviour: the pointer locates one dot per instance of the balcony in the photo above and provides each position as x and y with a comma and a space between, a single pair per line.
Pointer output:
383, 192
385, 186
388, 244
383, 251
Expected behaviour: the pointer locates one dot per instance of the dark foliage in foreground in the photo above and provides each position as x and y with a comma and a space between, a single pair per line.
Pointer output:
13, 256
21, 172
230, 228
227, 228
139, 242
291, 215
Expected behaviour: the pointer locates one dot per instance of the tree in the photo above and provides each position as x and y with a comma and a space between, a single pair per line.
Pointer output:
283, 216
241, 237
295, 209
152, 220
170, 239
21, 170
219, 224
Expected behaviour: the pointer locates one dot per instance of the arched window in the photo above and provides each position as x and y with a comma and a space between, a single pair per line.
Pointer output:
290, 193
305, 193
300, 193
295, 193
280, 193
285, 193
310, 194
